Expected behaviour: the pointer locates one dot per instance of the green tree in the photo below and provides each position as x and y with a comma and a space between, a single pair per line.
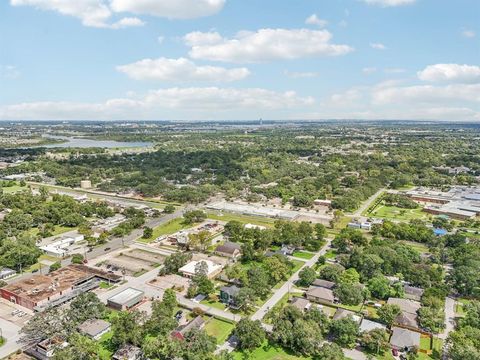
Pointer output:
329, 351
55, 266
349, 294
379, 287
127, 328
307, 276
375, 341
86, 306
147, 232
169, 209
80, 348
77, 259
388, 313
250, 334
345, 331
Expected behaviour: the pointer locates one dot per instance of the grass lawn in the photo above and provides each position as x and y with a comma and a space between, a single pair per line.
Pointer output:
331, 254
303, 255
246, 219
44, 267
355, 308
168, 228
425, 342
460, 307
220, 329
106, 350
13, 189
396, 213
213, 304
297, 265
267, 352
421, 248
105, 285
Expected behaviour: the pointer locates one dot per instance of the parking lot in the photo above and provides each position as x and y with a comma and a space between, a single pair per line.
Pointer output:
13, 313
134, 261
171, 281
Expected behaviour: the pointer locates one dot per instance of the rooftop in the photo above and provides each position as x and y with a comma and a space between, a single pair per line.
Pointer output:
321, 293
404, 338
125, 296
228, 248
94, 327
408, 306
190, 267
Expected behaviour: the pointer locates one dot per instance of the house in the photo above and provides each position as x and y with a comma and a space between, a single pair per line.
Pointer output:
404, 339
229, 249
7, 273
46, 348
286, 250
253, 226
320, 295
405, 305
413, 293
343, 313
125, 299
301, 303
181, 331
324, 283
368, 325
128, 352
407, 320
94, 328
354, 225
228, 295
213, 269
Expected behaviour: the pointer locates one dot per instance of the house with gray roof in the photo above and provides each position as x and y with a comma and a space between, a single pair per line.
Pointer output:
301, 304
404, 339
413, 293
406, 305
94, 328
324, 283
320, 295
229, 249
228, 295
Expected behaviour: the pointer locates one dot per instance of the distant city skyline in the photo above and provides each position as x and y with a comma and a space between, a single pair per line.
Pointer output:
239, 59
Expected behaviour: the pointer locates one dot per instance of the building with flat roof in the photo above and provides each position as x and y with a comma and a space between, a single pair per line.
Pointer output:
213, 269
41, 291
126, 299
94, 328
7, 273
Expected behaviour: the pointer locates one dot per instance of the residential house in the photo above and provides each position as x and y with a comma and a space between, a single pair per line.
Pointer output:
228, 295
413, 293
128, 352
181, 331
320, 295
229, 249
301, 303
343, 313
408, 306
368, 325
324, 284
94, 328
404, 339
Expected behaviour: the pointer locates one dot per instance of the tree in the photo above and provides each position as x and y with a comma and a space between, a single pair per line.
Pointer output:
379, 287
375, 341
55, 266
349, 294
307, 276
331, 272
194, 216
345, 331
147, 232
350, 276
277, 267
329, 351
77, 259
162, 320
259, 281
169, 209
86, 306
127, 328
198, 345
45, 325
245, 299
80, 348
200, 240
388, 313
175, 262
250, 334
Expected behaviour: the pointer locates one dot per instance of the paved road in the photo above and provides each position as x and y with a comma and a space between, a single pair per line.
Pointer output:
280, 293
449, 317
10, 332
367, 203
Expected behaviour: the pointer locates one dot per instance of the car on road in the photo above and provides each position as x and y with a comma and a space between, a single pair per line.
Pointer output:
107, 248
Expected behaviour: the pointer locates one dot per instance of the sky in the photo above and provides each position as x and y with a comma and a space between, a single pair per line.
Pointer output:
240, 59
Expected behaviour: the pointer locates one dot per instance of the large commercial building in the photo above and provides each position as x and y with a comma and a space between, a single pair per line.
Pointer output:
126, 299
39, 292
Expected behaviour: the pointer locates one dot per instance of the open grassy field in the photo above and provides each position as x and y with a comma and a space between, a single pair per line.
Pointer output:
396, 213
303, 255
267, 352
168, 228
220, 329
36, 267
13, 189
256, 220
421, 248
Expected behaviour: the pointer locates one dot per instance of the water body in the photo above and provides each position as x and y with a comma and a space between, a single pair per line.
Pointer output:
72, 142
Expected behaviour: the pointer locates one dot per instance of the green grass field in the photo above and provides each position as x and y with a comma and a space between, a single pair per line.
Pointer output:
303, 255
13, 189
220, 329
168, 228
396, 213
256, 220
266, 352
421, 248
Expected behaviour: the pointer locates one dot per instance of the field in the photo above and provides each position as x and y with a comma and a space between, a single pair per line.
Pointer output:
421, 248
220, 329
246, 219
36, 267
266, 352
396, 213
168, 228
13, 189
303, 255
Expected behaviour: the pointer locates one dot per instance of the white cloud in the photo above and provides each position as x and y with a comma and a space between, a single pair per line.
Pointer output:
172, 9
180, 70
378, 46
99, 13
264, 45
450, 73
9, 72
469, 34
300, 75
315, 20
389, 3
175, 103
369, 70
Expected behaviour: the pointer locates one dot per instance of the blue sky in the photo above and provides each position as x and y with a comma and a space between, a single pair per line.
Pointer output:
240, 59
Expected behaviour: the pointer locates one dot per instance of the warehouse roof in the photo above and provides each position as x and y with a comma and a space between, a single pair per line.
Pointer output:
126, 296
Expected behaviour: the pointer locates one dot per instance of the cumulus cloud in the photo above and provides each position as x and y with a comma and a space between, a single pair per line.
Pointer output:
264, 45
315, 20
173, 9
99, 13
450, 73
378, 46
389, 3
469, 34
180, 103
180, 70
